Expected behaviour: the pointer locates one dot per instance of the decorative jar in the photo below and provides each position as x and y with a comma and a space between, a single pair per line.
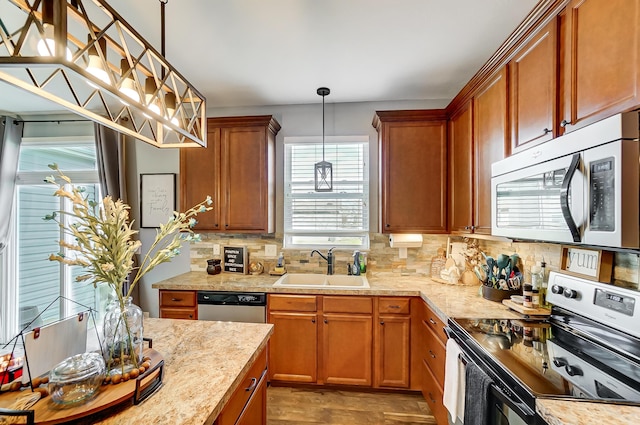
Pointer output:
213, 266
122, 339
77, 378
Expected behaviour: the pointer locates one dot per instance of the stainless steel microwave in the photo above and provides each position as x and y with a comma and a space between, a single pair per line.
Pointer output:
582, 187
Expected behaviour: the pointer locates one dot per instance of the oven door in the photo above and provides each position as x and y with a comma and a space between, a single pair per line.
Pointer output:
503, 412
504, 405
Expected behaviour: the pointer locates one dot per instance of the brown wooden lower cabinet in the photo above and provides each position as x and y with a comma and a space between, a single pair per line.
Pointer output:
341, 340
433, 395
293, 347
346, 349
433, 351
178, 304
247, 405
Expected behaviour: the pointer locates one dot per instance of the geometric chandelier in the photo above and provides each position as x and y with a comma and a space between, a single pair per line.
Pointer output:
81, 55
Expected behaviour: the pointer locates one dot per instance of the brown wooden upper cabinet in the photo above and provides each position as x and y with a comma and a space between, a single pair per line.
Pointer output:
413, 171
490, 142
533, 90
461, 169
600, 62
237, 169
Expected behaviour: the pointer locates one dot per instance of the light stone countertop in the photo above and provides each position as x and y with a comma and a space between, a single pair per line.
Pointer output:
455, 301
204, 364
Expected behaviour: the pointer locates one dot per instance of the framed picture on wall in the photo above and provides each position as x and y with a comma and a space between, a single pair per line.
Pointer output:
157, 199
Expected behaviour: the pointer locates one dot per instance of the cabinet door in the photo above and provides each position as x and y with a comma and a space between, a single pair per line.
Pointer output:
347, 349
179, 313
255, 412
533, 80
414, 177
601, 63
461, 170
199, 177
392, 351
490, 128
293, 347
244, 187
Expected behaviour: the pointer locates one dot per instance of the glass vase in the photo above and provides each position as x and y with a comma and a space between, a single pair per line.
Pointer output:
122, 336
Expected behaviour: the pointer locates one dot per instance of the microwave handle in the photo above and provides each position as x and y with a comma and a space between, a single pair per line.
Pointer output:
564, 198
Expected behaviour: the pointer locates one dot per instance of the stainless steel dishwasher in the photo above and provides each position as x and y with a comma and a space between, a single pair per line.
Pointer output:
248, 307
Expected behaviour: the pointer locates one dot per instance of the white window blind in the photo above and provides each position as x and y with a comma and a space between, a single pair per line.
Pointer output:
323, 219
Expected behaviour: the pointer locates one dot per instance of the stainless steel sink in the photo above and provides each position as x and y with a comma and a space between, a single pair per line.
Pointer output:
311, 280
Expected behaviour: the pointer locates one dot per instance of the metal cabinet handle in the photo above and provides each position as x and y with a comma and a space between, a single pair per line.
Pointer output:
433, 356
254, 384
326, 321
382, 322
546, 131
388, 225
313, 320
431, 398
433, 322
565, 123
191, 316
176, 299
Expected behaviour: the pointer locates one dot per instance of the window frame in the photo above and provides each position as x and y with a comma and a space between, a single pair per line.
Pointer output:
288, 236
9, 269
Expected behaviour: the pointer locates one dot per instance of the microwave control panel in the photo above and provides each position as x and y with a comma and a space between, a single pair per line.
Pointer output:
602, 195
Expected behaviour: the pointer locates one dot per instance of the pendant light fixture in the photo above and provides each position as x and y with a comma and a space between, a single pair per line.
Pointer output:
59, 50
323, 172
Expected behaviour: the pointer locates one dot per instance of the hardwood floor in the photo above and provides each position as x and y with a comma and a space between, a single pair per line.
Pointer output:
289, 406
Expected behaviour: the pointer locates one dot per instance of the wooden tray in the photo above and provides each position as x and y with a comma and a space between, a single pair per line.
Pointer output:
46, 412
526, 310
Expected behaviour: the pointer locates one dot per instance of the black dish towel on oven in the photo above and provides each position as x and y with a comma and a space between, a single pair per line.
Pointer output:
476, 398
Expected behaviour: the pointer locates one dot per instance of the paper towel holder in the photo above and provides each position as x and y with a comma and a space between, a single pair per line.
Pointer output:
405, 240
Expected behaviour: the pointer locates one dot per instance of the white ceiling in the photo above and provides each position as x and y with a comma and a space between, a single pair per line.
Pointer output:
258, 52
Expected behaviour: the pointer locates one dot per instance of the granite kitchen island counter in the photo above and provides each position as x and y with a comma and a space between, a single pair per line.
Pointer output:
204, 363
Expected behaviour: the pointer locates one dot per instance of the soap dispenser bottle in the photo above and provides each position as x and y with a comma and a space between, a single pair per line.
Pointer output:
355, 268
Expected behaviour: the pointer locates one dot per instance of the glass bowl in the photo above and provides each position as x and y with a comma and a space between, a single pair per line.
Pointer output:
77, 378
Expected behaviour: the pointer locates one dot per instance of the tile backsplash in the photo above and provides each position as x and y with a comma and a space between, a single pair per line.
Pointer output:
380, 257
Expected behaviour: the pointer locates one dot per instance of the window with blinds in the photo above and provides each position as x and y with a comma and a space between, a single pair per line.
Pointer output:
326, 219
41, 283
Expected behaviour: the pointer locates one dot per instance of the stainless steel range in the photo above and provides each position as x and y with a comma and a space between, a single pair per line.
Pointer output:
589, 349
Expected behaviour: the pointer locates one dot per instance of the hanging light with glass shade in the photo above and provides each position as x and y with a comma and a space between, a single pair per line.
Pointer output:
323, 175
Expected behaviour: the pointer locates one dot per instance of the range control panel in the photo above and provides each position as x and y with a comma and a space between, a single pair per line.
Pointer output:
608, 304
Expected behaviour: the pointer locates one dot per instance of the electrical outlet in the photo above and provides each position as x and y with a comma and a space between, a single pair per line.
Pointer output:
402, 253
270, 250
216, 249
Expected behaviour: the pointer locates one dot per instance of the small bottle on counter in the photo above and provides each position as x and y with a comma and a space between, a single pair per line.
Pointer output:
535, 298
543, 287
527, 295
536, 276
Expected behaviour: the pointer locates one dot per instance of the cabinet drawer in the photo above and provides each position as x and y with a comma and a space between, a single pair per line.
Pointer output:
434, 353
179, 313
243, 393
293, 302
433, 395
434, 322
348, 304
394, 305
177, 298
